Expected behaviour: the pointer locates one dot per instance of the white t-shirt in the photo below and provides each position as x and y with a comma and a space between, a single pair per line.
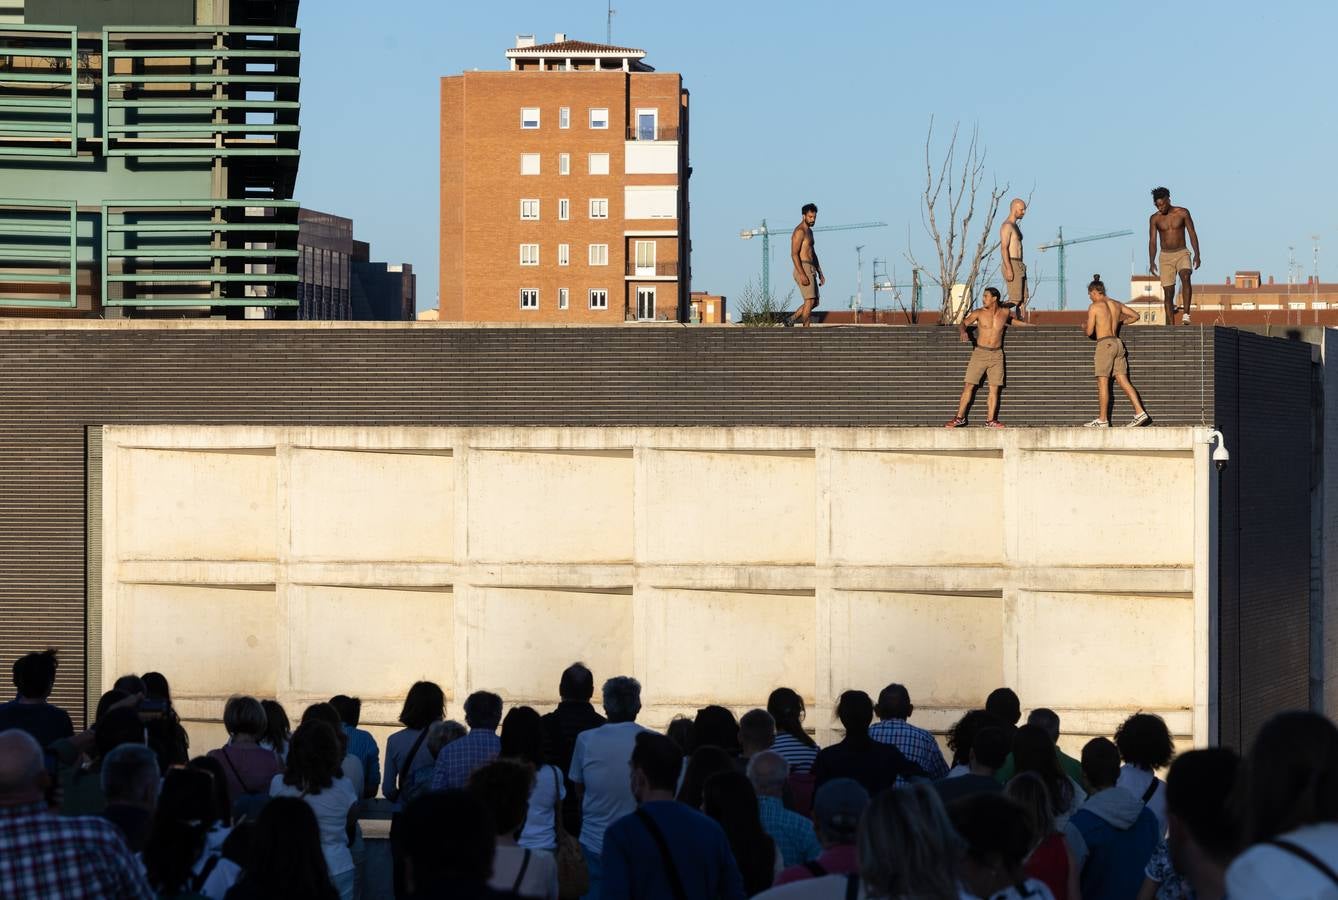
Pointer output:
541, 875
599, 762
540, 828
1136, 781
331, 807
1265, 871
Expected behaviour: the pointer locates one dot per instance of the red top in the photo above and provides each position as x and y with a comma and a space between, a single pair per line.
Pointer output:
1049, 863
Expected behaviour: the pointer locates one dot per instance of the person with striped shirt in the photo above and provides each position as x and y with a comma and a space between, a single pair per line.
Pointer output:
791, 741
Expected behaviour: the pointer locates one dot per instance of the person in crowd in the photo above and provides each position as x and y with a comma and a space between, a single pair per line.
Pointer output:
313, 775
286, 859
406, 749
573, 715
278, 730
504, 787
598, 770
894, 707
523, 742
81, 783
448, 847
664, 848
715, 726
793, 834
757, 730
177, 856
130, 783
350, 766
1033, 751
702, 764
1113, 834
961, 735
679, 731
837, 807
1049, 858
129, 684
1145, 746
1290, 781
1048, 721
162, 726
989, 749
34, 678
998, 838
55, 857
1203, 828
220, 809
729, 798
858, 756
360, 742
458, 759
248, 768
1004, 705
791, 741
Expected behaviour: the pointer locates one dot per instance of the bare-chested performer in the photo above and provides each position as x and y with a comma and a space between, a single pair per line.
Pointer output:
987, 358
1171, 223
1010, 251
1104, 318
807, 270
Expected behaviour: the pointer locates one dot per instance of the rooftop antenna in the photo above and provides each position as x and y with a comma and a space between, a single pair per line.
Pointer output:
1291, 268
608, 32
859, 277
1314, 290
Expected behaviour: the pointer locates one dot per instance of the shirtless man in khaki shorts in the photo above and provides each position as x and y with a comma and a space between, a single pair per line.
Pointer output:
807, 270
987, 358
1104, 318
1170, 223
1010, 251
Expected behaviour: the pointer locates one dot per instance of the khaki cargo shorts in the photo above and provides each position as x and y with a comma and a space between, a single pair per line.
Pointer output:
1171, 263
1017, 285
986, 362
1110, 358
809, 291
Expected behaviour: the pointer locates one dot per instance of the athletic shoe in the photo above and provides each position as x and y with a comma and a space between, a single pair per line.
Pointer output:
1097, 423
994, 423
1185, 320
1140, 420
955, 423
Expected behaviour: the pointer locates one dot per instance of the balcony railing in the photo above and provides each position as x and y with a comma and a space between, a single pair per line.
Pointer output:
39, 91
652, 270
665, 133
38, 253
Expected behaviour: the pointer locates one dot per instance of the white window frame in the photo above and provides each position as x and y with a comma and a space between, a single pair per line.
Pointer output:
533, 295
599, 207
636, 123
524, 119
600, 252
529, 254
654, 300
564, 209
534, 158
590, 163
564, 254
529, 209
564, 117
564, 163
599, 109
564, 298
604, 296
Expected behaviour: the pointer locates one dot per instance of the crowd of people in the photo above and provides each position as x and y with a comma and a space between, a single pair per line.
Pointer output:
575, 803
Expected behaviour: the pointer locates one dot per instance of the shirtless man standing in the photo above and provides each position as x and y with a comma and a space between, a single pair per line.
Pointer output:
1171, 223
1104, 318
987, 358
1010, 250
807, 270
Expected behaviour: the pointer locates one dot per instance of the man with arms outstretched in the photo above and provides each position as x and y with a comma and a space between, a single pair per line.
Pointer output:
1171, 223
1010, 252
987, 358
807, 270
1104, 318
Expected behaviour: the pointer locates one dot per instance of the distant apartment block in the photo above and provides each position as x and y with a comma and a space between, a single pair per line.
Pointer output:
707, 309
1246, 298
336, 279
564, 189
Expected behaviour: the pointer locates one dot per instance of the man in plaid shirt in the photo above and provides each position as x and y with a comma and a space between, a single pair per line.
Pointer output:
794, 835
44, 856
458, 759
894, 708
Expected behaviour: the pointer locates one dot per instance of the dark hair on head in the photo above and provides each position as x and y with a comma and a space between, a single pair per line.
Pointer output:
1291, 775
523, 736
715, 726
1047, 719
729, 798
1145, 741
1030, 792
244, 716
1101, 763
349, 709
894, 701
131, 684
993, 292
622, 698
35, 674
993, 825
1003, 703
757, 729
1199, 787
787, 708
504, 787
704, 762
1033, 751
855, 710
1161, 193
117, 727
448, 836
680, 732
222, 808
278, 730
314, 757
990, 746
180, 823
963, 732
808, 208
106, 702
483, 709
286, 858
155, 686
324, 712
424, 704
660, 761
1096, 284
127, 771
578, 682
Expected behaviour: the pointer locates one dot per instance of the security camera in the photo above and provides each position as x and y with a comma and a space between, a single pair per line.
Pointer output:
1221, 456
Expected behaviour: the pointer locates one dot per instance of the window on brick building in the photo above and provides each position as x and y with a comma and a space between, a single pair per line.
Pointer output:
564, 163
599, 298
564, 254
599, 164
529, 164
564, 117
529, 298
529, 117
564, 298
599, 254
599, 208
529, 209
599, 118
564, 209
529, 254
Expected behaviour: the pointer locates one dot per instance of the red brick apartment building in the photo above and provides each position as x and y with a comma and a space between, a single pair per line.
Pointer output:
564, 189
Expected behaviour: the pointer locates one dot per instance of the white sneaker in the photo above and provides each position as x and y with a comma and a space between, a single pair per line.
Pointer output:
1140, 420
1185, 320
1097, 423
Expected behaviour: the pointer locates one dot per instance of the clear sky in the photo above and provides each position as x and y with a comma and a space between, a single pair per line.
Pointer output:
1087, 105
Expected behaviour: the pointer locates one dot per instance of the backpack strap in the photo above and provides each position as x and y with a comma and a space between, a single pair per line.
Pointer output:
1152, 789
1302, 853
675, 882
815, 868
408, 761
235, 774
520, 876
197, 883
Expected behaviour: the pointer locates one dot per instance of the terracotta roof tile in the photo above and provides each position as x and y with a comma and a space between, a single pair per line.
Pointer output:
574, 48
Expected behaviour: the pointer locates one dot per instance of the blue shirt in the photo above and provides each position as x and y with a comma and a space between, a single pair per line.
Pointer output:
698, 848
458, 759
363, 746
915, 744
793, 833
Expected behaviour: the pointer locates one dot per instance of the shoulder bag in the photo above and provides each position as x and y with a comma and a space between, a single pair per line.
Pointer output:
573, 876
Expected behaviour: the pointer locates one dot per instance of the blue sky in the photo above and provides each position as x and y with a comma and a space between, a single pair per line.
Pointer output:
1090, 106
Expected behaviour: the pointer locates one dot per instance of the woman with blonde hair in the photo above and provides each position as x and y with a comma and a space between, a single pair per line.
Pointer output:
1050, 860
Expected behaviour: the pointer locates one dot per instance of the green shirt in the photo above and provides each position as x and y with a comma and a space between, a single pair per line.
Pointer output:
1072, 768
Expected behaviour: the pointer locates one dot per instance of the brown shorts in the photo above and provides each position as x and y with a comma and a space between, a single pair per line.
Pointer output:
1110, 358
1017, 285
809, 291
986, 362
1172, 263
